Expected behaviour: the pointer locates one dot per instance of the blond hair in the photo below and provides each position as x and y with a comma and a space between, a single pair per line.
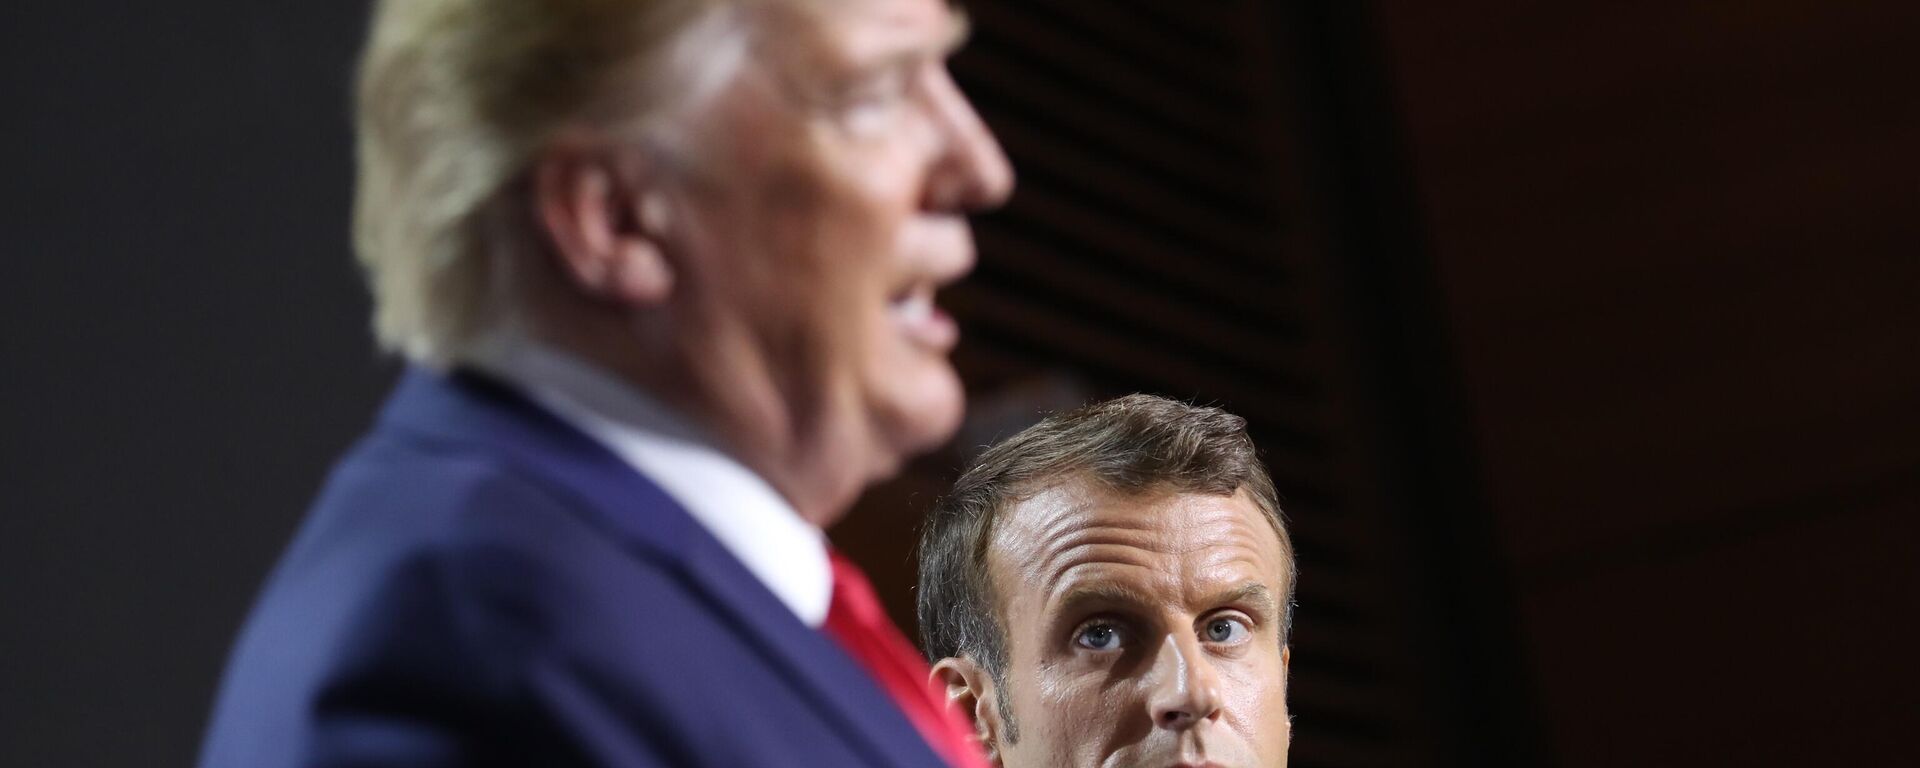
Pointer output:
455, 99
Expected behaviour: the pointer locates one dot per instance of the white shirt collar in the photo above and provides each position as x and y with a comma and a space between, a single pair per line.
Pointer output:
757, 525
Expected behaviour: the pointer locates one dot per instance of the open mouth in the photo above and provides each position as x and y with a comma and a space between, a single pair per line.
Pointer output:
921, 320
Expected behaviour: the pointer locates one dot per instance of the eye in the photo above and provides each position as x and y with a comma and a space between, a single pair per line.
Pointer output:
883, 86
1098, 637
1225, 630
868, 102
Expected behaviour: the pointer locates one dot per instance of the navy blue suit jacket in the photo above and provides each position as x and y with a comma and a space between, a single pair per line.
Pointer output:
480, 584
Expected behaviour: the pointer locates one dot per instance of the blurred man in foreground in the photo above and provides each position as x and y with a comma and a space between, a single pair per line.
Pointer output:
1113, 587
665, 271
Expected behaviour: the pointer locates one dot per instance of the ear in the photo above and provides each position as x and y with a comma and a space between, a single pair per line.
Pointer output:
969, 689
1286, 680
606, 222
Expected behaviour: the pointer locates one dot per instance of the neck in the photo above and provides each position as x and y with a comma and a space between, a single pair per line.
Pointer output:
730, 393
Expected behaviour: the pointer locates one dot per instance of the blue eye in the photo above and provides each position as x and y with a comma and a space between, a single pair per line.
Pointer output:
1099, 637
1225, 630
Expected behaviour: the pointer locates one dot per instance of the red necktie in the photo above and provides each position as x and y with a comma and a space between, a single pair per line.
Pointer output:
857, 621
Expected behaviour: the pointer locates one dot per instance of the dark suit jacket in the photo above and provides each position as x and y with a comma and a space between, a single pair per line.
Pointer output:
480, 584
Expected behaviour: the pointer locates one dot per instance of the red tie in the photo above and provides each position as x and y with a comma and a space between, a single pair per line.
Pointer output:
857, 621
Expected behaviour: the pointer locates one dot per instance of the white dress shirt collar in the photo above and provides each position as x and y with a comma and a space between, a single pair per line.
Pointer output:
787, 553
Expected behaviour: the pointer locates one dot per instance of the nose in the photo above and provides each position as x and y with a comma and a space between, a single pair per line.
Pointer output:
1185, 689
972, 173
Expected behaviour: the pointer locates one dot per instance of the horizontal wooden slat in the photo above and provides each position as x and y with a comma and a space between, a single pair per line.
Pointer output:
1198, 64
1124, 191
1138, 310
1250, 296
1176, 160
1011, 315
1041, 51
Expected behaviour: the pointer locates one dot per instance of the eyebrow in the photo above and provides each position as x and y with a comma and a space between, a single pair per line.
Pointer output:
1102, 594
956, 38
1255, 596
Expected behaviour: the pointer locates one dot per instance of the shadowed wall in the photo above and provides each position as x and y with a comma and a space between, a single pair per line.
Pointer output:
1679, 245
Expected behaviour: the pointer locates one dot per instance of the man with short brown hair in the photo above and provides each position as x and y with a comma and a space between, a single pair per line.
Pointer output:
1114, 587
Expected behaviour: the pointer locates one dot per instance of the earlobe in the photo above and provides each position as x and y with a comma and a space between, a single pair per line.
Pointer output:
645, 273
641, 273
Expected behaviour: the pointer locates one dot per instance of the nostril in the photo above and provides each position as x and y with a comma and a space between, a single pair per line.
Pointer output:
946, 194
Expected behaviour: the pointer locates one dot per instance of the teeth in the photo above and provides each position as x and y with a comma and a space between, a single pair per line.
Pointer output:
916, 307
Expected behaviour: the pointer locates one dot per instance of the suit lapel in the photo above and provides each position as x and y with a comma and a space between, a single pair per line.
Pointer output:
811, 659
468, 408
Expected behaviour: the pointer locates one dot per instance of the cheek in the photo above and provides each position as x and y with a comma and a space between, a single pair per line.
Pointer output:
868, 186
1075, 716
836, 241
1258, 708
815, 253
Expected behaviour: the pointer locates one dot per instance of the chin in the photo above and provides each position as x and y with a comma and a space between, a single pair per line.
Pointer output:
923, 409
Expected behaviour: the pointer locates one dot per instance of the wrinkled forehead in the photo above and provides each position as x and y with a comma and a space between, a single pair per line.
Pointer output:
1063, 532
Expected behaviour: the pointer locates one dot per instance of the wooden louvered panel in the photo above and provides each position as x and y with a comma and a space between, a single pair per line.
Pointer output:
1069, 225
1208, 165
1183, 167
1067, 54
1357, 754
1342, 697
1186, 63
1203, 27
1136, 309
1112, 182
1353, 662
1343, 545
1121, 358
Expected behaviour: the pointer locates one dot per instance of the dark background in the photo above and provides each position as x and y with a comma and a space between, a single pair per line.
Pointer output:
1582, 339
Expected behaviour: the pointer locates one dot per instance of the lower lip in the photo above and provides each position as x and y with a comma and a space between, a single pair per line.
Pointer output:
935, 331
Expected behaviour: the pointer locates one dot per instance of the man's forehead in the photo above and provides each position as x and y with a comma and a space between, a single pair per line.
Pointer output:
1075, 533
1076, 502
862, 31
898, 13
